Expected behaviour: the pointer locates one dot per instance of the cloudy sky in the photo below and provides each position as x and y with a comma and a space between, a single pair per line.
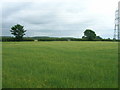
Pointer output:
62, 18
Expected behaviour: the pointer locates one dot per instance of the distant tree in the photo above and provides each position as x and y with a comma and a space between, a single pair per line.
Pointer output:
18, 31
83, 37
89, 35
98, 38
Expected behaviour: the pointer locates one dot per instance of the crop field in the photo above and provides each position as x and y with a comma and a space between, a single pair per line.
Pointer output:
60, 64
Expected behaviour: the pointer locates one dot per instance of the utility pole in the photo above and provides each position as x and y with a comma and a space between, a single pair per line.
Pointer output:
119, 20
117, 24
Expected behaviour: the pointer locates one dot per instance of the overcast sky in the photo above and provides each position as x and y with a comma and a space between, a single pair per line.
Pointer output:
63, 18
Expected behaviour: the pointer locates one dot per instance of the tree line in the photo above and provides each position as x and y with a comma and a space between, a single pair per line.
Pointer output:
18, 31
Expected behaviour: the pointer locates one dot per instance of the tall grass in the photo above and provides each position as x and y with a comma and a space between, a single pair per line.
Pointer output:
60, 64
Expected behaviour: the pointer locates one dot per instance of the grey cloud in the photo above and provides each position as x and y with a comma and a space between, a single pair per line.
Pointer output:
61, 18
13, 7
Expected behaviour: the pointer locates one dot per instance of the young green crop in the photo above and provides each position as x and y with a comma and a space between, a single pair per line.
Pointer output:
64, 64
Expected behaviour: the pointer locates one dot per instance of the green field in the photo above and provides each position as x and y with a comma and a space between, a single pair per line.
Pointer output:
65, 64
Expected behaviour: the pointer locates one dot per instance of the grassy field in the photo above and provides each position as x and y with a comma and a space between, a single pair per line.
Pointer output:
60, 64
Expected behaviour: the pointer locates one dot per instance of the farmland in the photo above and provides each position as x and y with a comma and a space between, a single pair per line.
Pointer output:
60, 64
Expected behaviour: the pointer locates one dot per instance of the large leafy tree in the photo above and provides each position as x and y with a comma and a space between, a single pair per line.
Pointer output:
89, 35
18, 31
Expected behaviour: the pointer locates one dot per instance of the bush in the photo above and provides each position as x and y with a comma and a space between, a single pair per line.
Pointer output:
27, 39
53, 39
6, 39
60, 39
11, 39
107, 39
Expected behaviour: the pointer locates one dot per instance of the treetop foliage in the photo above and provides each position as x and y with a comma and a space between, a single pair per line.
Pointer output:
18, 31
